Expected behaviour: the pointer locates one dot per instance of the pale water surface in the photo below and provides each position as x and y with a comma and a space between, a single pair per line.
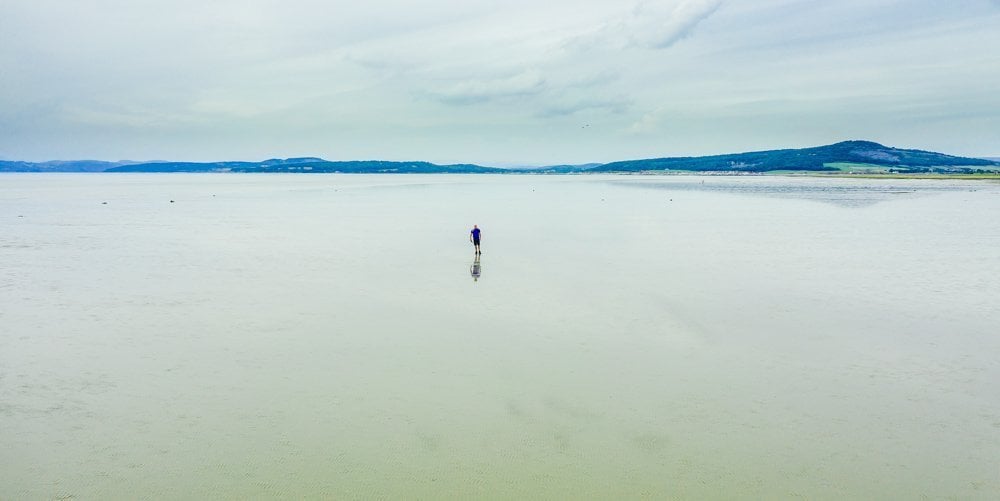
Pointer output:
322, 336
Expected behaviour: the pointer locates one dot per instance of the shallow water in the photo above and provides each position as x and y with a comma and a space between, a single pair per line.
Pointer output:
626, 336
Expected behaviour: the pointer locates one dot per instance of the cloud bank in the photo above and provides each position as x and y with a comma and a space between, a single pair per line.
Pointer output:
488, 81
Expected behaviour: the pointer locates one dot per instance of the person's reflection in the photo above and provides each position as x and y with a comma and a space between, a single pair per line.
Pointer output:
476, 269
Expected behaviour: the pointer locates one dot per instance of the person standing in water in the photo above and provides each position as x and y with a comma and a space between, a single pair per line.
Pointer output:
474, 237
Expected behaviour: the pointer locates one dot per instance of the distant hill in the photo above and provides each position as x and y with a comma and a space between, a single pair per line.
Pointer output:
60, 166
308, 164
848, 155
809, 159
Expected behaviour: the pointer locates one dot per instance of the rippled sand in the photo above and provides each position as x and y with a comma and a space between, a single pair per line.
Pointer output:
325, 336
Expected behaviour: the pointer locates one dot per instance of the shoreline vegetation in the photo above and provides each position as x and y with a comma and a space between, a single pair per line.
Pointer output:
833, 175
802, 174
982, 176
844, 159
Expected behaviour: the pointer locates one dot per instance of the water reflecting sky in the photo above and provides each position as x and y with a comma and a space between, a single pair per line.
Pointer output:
315, 336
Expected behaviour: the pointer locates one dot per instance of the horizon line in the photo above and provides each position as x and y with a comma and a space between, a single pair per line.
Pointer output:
496, 165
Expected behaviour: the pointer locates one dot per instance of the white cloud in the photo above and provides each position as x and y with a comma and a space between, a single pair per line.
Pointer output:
660, 25
477, 91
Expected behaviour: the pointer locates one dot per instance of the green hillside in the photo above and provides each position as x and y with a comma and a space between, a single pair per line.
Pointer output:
833, 158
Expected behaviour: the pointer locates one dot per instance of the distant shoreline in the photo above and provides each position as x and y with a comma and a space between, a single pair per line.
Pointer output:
707, 174
814, 174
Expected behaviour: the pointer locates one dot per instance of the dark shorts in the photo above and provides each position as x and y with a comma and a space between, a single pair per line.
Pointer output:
475, 241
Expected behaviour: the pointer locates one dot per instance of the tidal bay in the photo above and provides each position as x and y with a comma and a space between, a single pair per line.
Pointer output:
323, 336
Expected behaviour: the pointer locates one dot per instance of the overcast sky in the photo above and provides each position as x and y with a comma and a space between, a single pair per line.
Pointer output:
492, 82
